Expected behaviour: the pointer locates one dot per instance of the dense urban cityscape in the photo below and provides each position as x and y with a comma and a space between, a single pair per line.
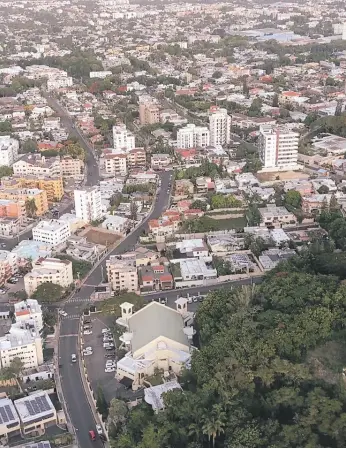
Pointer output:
172, 223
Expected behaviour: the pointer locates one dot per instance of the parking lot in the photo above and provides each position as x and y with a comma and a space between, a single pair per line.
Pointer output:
5, 296
96, 362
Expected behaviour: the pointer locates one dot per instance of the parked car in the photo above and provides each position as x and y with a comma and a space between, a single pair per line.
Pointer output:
110, 370
99, 429
87, 332
73, 358
163, 301
105, 331
110, 356
92, 435
87, 353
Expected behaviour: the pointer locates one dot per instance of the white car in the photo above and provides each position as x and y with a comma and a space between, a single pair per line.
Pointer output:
110, 362
87, 332
99, 429
189, 300
88, 348
62, 312
88, 353
105, 331
109, 370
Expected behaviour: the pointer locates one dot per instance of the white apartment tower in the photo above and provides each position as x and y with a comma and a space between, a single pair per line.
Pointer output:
192, 136
123, 139
343, 37
219, 126
278, 147
88, 204
8, 150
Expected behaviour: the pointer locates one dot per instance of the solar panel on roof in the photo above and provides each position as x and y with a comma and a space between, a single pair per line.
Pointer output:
9, 412
35, 406
3, 415
29, 407
45, 404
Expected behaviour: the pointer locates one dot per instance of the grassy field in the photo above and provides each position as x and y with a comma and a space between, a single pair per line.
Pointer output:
230, 223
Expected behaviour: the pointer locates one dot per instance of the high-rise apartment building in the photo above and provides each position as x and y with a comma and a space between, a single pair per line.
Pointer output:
88, 204
278, 147
123, 139
219, 126
8, 150
192, 136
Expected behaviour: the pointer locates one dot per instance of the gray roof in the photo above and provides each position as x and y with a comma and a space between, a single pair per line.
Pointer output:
153, 321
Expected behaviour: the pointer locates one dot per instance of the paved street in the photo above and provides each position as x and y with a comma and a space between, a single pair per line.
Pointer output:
71, 382
93, 177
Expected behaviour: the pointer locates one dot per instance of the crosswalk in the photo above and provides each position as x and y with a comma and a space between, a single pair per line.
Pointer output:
79, 300
74, 316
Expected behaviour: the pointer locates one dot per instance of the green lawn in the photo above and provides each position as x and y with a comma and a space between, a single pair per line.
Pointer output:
231, 223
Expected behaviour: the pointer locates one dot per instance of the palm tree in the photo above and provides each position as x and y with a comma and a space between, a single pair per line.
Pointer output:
215, 423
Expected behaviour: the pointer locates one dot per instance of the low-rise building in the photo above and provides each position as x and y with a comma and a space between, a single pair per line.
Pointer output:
193, 248
192, 272
51, 270
136, 158
156, 277
145, 256
276, 217
204, 184
10, 423
10, 226
316, 202
183, 187
13, 209
122, 274
273, 256
116, 224
160, 161
29, 312
53, 232
36, 412
79, 248
37, 165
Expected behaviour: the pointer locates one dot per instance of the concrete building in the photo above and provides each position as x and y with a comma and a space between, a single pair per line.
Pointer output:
136, 158
36, 412
52, 185
88, 204
39, 196
53, 232
149, 113
29, 312
122, 274
155, 338
22, 341
116, 163
13, 209
51, 270
278, 148
37, 165
192, 136
117, 224
276, 217
123, 139
71, 168
9, 423
219, 126
59, 82
8, 265
343, 36
8, 150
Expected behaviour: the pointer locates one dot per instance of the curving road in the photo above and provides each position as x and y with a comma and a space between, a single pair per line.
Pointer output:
72, 386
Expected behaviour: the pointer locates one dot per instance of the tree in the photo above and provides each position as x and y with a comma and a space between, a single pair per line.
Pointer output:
48, 292
75, 151
333, 203
30, 146
293, 199
5, 171
199, 204
117, 413
214, 423
5, 127
31, 208
323, 190
49, 318
253, 215
101, 403
275, 103
133, 210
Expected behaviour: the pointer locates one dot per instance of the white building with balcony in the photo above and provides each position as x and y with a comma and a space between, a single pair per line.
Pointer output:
219, 126
192, 136
278, 148
123, 139
88, 204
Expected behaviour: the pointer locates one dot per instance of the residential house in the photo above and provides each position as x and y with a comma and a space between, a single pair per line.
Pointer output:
276, 217
155, 277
